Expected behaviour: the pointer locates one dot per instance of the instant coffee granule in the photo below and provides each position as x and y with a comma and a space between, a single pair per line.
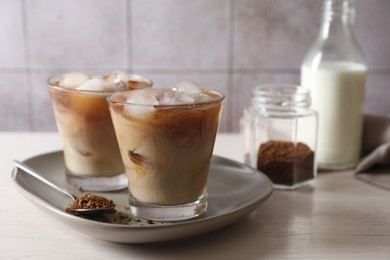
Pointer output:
286, 163
90, 201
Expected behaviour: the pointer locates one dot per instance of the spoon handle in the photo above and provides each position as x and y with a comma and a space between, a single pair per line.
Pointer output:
35, 174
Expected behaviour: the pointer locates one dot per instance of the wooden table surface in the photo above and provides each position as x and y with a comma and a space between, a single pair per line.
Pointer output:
338, 217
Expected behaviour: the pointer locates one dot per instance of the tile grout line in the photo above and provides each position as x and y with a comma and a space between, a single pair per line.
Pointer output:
27, 69
230, 82
184, 71
129, 36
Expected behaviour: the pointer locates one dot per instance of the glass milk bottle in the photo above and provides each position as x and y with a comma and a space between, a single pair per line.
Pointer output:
279, 134
334, 70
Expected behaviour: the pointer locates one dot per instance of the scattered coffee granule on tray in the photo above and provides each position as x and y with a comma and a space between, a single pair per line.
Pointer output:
90, 201
286, 163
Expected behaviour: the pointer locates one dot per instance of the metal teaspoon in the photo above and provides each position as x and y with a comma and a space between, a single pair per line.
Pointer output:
32, 172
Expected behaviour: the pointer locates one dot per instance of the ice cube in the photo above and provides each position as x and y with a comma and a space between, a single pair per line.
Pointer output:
203, 98
143, 97
184, 98
176, 98
73, 79
187, 87
141, 103
134, 84
169, 98
116, 80
93, 84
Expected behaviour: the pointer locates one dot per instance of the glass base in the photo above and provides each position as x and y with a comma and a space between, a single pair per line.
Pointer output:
169, 213
113, 183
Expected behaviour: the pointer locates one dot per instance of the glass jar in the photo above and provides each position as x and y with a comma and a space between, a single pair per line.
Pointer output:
280, 134
334, 70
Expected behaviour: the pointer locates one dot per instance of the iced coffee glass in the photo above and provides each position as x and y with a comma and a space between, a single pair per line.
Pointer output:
91, 151
166, 138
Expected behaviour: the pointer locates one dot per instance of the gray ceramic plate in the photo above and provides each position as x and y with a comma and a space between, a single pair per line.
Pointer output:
234, 191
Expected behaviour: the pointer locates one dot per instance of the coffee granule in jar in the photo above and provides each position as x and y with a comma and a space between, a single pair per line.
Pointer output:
286, 163
90, 201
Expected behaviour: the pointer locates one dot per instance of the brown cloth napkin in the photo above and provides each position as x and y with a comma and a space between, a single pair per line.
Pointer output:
374, 167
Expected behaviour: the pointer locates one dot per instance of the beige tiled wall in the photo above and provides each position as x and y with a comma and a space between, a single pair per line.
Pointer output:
226, 45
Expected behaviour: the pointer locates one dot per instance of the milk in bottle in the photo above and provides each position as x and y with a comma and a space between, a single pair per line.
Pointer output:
337, 90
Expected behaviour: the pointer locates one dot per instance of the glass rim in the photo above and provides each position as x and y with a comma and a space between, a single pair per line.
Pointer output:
220, 98
271, 89
136, 77
282, 96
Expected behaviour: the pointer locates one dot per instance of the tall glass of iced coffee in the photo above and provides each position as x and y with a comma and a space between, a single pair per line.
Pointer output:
91, 152
166, 137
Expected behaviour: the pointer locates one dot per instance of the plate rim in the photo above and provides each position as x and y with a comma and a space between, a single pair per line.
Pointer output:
248, 207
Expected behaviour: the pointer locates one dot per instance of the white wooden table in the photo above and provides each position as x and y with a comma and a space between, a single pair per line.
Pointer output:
338, 217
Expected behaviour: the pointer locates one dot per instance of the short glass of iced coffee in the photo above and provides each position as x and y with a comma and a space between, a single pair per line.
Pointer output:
90, 147
166, 137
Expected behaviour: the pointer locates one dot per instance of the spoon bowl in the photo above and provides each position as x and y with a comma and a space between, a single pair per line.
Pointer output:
86, 212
